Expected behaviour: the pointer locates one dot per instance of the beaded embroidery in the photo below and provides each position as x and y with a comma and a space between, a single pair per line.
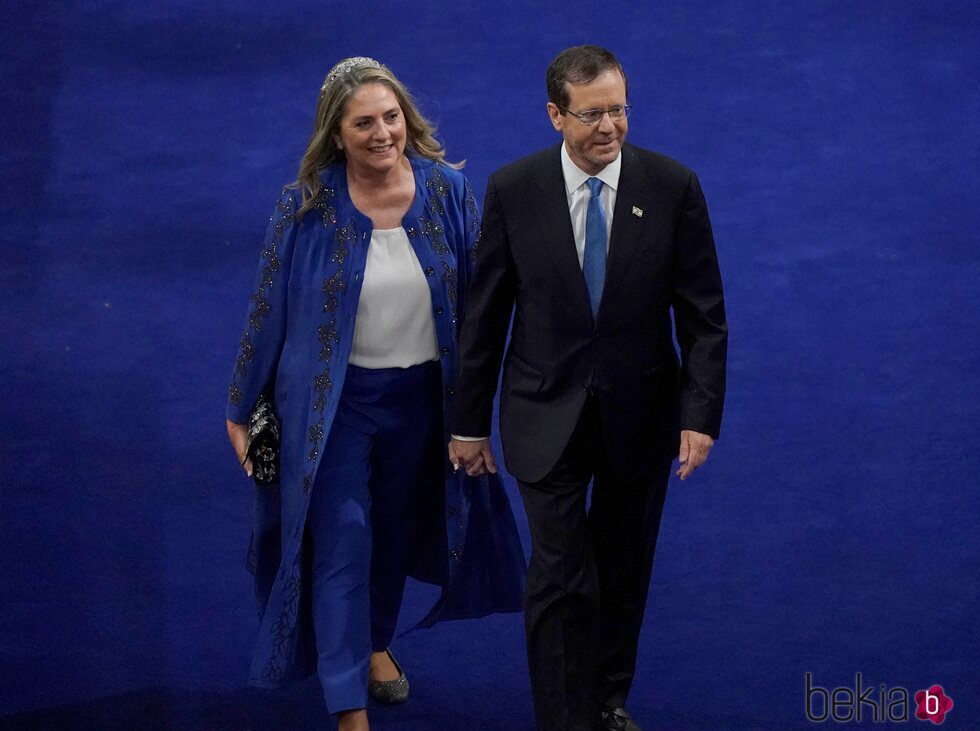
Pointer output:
262, 310
321, 384
284, 629
474, 220
246, 354
332, 287
345, 235
449, 279
440, 188
284, 217
325, 205
316, 435
327, 335
436, 234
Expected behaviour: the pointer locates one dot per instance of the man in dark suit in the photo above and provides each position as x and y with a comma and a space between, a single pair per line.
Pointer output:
591, 245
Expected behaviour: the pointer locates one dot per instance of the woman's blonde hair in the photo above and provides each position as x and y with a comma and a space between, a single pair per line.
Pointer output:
337, 89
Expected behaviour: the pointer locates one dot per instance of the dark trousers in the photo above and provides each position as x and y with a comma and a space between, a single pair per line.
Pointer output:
588, 579
382, 457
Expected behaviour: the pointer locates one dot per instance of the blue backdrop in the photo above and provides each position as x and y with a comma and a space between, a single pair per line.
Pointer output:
834, 530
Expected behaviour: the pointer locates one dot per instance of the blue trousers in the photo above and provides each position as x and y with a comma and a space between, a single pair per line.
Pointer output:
379, 476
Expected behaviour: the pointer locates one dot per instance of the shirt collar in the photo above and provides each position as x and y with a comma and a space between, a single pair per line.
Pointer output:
575, 177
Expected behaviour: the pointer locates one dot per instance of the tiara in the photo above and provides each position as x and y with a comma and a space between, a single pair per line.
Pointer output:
348, 65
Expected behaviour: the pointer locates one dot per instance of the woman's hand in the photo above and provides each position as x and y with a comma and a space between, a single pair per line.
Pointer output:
238, 435
476, 457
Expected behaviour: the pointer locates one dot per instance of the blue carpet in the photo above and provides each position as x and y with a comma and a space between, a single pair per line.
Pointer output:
834, 530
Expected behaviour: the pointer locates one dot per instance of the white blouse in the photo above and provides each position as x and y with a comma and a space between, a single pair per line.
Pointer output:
394, 326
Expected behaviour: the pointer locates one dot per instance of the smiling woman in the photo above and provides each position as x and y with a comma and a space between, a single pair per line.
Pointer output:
372, 138
347, 95
372, 131
352, 329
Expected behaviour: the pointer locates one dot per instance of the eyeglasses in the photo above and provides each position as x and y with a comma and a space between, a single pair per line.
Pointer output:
592, 116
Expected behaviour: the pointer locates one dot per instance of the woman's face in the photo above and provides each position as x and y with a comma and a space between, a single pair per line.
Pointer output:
372, 131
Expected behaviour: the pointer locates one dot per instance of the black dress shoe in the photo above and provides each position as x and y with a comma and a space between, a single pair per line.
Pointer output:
616, 719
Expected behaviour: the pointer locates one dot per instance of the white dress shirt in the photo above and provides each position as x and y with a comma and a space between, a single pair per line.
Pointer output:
394, 326
577, 193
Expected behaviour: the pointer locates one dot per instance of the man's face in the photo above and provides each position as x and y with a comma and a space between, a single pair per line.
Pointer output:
592, 147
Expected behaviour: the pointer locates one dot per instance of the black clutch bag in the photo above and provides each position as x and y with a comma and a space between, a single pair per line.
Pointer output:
263, 442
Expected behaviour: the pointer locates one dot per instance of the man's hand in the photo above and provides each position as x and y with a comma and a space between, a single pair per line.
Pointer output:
694, 451
475, 457
238, 435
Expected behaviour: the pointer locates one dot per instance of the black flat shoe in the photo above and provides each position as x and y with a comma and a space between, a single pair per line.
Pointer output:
616, 719
390, 692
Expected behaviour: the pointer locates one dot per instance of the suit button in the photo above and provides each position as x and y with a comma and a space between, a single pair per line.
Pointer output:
450, 392
429, 271
445, 350
453, 510
439, 310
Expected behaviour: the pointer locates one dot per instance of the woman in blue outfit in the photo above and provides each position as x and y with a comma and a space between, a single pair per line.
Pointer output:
352, 326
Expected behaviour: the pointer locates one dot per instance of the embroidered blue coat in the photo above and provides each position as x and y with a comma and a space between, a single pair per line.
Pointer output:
298, 340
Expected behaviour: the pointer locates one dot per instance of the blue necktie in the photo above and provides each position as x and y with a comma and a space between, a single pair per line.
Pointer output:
594, 260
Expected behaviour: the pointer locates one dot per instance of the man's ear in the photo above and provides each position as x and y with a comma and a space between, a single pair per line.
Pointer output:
554, 114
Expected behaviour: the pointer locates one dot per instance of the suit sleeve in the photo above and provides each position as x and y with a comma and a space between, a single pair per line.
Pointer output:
699, 317
489, 303
265, 327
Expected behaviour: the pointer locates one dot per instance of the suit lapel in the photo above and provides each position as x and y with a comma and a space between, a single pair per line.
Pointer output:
557, 232
632, 200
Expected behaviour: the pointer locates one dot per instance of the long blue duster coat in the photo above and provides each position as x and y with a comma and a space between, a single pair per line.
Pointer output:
297, 341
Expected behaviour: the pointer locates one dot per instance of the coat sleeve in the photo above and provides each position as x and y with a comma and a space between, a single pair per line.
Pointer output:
699, 316
265, 327
466, 245
490, 300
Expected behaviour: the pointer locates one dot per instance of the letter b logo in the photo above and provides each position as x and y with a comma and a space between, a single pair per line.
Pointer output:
932, 704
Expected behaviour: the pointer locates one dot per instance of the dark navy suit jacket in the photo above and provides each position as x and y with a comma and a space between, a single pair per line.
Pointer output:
661, 262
